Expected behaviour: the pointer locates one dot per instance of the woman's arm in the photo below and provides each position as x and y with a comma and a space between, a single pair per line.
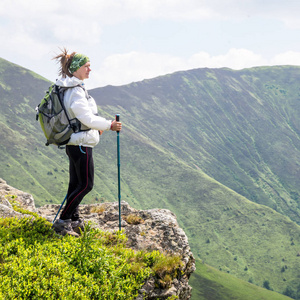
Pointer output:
85, 109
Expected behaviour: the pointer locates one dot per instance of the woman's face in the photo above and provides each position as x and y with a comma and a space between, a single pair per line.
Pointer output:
83, 72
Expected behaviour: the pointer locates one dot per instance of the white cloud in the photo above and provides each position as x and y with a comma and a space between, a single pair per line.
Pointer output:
234, 58
31, 32
121, 69
112, 12
286, 58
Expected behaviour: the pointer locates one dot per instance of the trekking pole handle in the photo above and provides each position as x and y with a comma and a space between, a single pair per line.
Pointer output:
118, 118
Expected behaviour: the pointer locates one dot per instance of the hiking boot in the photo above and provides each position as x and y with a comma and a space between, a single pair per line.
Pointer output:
78, 225
64, 227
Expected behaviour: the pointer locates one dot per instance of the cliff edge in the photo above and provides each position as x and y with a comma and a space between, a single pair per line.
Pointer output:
155, 229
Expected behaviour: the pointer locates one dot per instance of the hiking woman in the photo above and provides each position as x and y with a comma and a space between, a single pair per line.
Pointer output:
74, 69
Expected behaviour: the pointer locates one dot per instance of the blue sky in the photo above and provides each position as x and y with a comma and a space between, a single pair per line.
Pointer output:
130, 40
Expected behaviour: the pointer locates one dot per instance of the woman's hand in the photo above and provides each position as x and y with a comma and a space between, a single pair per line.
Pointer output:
116, 126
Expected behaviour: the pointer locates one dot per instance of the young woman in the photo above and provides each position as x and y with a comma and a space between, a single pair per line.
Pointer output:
74, 69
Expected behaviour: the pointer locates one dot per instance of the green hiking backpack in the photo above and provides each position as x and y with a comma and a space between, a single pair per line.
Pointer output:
54, 119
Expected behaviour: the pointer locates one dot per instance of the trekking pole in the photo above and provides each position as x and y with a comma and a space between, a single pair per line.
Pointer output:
60, 209
119, 183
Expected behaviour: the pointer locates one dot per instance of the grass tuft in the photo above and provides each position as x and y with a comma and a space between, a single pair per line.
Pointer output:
133, 219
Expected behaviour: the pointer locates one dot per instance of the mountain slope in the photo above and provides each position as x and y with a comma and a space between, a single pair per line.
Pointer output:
169, 143
215, 285
240, 127
20, 90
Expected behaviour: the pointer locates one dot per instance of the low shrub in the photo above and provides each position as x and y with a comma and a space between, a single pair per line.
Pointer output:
36, 263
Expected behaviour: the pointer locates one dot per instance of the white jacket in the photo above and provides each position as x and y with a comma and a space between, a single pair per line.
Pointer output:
84, 109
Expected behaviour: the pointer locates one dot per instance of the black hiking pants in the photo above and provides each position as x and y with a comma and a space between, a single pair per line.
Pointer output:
81, 181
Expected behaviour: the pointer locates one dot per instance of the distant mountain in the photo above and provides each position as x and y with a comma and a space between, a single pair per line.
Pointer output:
202, 143
240, 127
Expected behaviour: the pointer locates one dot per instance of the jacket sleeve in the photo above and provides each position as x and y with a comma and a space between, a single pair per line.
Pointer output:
84, 110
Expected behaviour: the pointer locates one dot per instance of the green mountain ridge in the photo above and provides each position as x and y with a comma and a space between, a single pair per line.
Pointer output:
188, 148
239, 127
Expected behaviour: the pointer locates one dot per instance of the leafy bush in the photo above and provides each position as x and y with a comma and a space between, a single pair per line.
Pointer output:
36, 263
290, 292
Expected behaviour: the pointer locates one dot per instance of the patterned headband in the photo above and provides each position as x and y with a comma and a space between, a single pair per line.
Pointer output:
78, 61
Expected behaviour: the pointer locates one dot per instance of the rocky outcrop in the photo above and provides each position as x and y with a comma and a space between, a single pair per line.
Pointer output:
155, 229
9, 195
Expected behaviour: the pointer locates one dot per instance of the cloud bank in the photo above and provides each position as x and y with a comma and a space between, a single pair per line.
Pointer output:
136, 66
214, 35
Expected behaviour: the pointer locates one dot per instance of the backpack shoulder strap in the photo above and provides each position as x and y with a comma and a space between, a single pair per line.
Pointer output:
74, 123
60, 91
86, 92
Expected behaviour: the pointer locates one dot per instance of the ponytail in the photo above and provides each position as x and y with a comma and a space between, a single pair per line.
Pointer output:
65, 60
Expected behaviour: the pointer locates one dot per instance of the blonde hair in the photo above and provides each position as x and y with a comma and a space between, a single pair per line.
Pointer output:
65, 60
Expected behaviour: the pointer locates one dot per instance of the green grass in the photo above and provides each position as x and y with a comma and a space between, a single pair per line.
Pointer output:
211, 284
246, 240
